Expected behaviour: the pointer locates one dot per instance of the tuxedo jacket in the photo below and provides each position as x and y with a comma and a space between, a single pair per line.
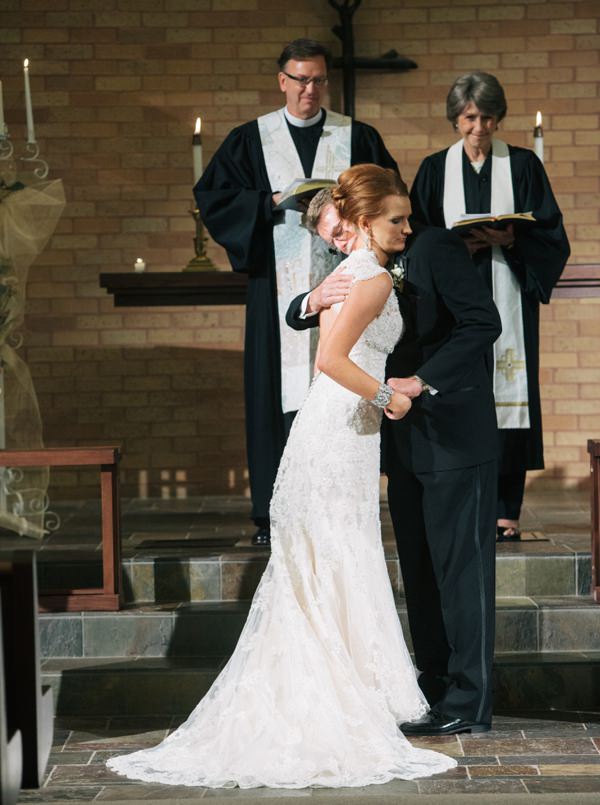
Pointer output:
450, 324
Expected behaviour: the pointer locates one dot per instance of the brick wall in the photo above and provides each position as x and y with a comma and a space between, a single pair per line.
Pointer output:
117, 85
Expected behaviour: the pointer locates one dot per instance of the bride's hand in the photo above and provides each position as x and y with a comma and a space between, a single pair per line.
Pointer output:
398, 406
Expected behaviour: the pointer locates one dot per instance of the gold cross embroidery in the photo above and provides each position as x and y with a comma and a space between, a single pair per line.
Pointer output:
509, 365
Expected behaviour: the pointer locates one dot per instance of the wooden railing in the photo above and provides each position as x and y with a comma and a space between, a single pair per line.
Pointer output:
106, 597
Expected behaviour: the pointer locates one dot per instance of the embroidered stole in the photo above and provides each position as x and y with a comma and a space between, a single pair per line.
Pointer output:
301, 260
510, 368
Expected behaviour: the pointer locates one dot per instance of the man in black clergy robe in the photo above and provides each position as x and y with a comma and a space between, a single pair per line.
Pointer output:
236, 200
440, 460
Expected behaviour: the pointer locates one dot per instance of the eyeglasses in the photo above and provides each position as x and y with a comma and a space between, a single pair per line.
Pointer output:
338, 233
304, 81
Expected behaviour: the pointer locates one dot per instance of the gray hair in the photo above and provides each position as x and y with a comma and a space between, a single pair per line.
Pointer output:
318, 202
482, 89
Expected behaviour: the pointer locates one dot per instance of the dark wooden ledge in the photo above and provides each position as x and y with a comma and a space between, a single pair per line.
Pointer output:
165, 288
579, 281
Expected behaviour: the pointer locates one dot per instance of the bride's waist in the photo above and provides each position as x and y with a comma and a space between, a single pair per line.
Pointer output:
331, 387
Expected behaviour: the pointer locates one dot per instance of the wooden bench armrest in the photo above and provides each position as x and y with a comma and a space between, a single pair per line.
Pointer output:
60, 456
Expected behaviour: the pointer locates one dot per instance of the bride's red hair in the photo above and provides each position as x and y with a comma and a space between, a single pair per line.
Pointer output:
361, 189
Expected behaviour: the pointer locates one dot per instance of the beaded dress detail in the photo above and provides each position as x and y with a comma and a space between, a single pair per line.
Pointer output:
321, 674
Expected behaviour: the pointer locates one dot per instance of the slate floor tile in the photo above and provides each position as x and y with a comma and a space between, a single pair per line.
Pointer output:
147, 791
556, 785
84, 793
124, 739
495, 785
533, 746
502, 770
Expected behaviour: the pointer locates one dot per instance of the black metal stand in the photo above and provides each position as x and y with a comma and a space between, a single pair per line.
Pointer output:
390, 61
27, 714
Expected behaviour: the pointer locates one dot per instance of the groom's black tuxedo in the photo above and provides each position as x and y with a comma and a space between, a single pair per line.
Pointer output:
451, 323
441, 466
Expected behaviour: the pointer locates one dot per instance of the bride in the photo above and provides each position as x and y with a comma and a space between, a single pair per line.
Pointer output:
321, 674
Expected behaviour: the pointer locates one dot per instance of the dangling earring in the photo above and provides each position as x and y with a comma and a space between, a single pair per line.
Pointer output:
366, 238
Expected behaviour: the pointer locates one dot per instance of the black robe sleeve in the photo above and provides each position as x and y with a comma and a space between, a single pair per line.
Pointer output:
234, 199
368, 146
541, 251
427, 191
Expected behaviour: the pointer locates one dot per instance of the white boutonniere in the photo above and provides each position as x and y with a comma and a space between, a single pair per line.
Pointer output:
398, 272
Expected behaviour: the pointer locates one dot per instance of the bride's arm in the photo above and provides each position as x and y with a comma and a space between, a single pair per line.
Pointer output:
339, 333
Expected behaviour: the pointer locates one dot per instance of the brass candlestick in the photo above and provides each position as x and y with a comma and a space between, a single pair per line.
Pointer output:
201, 261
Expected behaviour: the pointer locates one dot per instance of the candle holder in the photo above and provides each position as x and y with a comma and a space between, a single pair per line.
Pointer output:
201, 261
6, 154
6, 146
8, 171
34, 150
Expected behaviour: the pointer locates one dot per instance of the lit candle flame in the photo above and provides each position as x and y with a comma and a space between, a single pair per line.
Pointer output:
26, 63
538, 118
198, 126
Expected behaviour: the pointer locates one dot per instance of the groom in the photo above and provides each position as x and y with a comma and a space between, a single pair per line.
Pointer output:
441, 465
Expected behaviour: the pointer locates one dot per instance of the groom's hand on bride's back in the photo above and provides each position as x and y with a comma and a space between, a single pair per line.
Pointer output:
334, 288
398, 406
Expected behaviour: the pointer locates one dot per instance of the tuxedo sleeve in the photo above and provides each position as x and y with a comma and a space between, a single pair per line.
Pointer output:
235, 201
293, 315
477, 324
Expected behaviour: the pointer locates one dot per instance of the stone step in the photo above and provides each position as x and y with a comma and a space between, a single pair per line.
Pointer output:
198, 549
223, 569
523, 625
167, 686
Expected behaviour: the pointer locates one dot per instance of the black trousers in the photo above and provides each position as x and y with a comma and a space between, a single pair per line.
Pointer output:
445, 526
511, 490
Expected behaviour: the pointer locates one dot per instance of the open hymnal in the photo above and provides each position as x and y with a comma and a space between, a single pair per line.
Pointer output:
298, 193
476, 220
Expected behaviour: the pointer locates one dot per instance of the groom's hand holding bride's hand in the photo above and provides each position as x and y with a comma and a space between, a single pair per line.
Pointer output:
409, 386
398, 406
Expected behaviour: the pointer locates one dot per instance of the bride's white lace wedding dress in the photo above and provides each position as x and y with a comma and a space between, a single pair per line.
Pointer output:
321, 674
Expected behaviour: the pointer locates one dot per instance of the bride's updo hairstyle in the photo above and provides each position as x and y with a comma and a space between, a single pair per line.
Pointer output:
361, 189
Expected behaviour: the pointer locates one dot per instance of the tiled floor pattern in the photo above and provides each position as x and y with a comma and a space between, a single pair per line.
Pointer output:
525, 754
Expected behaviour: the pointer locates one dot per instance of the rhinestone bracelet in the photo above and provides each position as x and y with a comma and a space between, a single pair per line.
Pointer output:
383, 396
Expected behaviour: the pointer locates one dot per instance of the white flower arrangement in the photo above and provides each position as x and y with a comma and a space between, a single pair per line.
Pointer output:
398, 272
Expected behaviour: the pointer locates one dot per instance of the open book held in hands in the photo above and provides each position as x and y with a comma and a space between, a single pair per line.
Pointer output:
297, 195
477, 220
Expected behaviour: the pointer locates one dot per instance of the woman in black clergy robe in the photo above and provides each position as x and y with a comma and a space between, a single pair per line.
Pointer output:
235, 201
534, 254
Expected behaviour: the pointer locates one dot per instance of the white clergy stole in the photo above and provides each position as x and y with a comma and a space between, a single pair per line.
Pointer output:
301, 260
510, 367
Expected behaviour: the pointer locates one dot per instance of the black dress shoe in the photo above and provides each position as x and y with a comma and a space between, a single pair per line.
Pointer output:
262, 538
434, 723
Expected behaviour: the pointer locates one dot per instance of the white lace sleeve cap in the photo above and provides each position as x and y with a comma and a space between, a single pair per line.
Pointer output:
363, 265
